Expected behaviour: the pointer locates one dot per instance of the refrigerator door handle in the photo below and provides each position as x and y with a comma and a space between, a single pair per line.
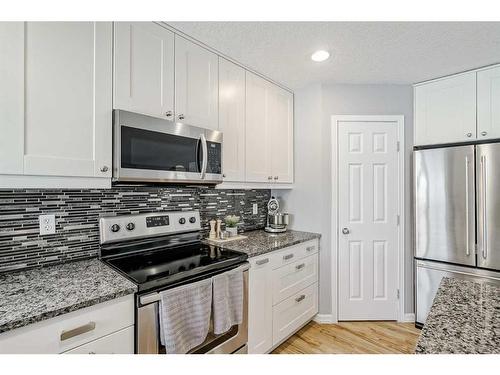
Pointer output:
467, 250
483, 207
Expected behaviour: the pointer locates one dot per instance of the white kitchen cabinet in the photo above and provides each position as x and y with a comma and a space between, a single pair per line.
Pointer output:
196, 84
232, 119
72, 330
144, 68
445, 110
57, 92
283, 295
269, 132
260, 306
488, 103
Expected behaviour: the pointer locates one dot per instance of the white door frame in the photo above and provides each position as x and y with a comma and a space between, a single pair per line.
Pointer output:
335, 119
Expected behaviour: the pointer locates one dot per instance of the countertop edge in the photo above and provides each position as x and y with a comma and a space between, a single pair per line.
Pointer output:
315, 236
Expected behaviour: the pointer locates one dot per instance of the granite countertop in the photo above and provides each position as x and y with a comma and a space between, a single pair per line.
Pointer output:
464, 318
33, 295
260, 242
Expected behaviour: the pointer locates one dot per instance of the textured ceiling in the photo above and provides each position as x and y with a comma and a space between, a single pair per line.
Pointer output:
362, 52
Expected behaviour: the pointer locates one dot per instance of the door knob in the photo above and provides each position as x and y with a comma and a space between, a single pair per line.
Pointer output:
483, 133
345, 230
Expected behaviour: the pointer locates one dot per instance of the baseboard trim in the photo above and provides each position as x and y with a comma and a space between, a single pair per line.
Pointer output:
409, 318
324, 319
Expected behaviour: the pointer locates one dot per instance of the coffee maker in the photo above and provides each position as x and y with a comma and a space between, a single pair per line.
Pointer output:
276, 221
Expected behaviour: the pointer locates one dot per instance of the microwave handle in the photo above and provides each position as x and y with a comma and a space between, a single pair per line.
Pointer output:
205, 155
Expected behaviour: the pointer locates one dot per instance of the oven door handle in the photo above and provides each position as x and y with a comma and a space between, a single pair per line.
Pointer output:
155, 297
204, 162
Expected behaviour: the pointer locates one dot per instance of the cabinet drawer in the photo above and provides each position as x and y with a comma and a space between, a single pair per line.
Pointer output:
292, 253
292, 313
70, 330
121, 342
293, 277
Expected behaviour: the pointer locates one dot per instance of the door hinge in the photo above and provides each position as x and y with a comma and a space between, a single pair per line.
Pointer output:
397, 146
398, 219
397, 294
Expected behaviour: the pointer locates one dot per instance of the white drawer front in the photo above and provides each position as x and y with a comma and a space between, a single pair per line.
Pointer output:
293, 277
292, 253
121, 342
293, 312
47, 336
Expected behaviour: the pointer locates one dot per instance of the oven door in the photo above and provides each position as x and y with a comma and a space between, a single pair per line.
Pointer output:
148, 328
150, 149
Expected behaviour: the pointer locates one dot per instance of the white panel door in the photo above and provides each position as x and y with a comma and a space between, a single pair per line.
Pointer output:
367, 216
281, 134
488, 103
257, 146
144, 68
260, 305
196, 84
445, 110
232, 119
67, 98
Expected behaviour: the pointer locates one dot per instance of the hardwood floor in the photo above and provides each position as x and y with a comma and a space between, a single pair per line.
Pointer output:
352, 338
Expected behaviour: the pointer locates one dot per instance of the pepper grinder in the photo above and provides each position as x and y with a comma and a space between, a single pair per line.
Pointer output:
213, 234
218, 228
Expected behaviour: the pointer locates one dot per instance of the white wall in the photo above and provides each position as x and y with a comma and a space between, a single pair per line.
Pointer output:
310, 201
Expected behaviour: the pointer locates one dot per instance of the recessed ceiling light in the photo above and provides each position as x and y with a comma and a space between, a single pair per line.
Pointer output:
320, 55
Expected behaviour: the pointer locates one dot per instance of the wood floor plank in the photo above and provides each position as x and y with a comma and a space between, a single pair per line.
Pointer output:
352, 338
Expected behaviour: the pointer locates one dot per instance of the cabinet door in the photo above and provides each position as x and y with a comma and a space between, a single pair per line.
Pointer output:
232, 119
260, 306
196, 84
281, 134
66, 100
144, 68
488, 103
257, 155
445, 110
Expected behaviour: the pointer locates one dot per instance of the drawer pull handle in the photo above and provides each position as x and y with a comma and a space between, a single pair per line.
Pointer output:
65, 335
300, 266
310, 248
262, 261
298, 299
288, 256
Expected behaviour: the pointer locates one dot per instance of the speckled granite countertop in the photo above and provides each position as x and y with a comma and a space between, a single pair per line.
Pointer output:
260, 242
464, 318
37, 294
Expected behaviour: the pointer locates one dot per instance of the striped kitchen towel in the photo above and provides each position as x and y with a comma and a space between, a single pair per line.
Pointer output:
227, 300
185, 316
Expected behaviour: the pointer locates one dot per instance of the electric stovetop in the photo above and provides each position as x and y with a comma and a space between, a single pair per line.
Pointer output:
173, 266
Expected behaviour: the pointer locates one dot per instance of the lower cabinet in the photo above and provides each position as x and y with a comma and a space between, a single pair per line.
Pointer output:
104, 328
283, 295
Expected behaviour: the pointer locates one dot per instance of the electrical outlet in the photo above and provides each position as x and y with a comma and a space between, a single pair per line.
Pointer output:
47, 224
255, 209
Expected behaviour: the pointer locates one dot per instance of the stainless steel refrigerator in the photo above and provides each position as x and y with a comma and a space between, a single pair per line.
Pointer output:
457, 217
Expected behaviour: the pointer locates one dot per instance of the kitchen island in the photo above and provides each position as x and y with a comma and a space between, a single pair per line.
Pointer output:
464, 319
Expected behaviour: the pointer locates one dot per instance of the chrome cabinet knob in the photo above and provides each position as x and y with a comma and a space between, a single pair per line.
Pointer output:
345, 230
469, 135
483, 133
269, 177
104, 168
181, 117
169, 113
275, 177
224, 175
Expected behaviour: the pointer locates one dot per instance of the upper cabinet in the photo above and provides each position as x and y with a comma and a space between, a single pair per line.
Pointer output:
144, 68
269, 132
445, 110
488, 103
196, 84
232, 119
56, 99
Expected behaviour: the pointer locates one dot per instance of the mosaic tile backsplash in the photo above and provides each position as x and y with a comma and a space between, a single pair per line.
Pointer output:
78, 211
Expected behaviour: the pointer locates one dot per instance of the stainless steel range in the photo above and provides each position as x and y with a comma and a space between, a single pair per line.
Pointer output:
163, 250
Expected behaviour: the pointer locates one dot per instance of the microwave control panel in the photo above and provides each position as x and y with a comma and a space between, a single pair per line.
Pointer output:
214, 160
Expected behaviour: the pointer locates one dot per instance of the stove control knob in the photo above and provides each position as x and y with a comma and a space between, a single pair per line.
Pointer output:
192, 220
182, 221
130, 226
115, 228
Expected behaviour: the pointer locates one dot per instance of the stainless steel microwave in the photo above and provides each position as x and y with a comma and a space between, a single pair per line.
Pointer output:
149, 149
